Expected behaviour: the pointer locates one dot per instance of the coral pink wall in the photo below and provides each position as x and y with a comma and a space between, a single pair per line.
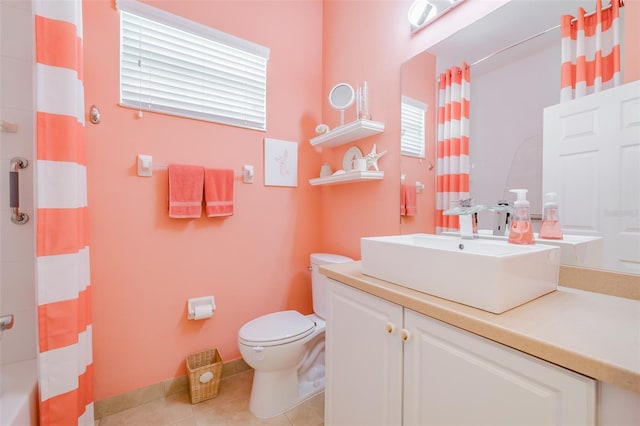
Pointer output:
369, 40
144, 265
359, 41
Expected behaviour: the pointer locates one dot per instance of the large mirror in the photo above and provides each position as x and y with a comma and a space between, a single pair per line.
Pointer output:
513, 78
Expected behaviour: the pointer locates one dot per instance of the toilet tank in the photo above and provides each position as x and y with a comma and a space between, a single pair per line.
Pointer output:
319, 281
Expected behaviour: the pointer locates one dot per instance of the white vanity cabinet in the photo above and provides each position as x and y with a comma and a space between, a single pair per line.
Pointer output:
387, 365
455, 377
363, 357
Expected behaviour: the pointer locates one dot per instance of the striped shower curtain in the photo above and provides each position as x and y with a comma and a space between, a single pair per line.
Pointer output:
590, 51
65, 357
452, 144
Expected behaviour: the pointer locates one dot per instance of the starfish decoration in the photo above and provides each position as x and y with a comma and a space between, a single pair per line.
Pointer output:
372, 158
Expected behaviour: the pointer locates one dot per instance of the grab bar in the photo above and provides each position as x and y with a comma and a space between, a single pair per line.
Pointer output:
14, 191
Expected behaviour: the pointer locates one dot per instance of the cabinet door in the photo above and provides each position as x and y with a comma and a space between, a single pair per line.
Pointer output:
363, 359
453, 377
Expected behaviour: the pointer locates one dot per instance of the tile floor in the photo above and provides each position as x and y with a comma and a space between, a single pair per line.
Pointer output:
230, 407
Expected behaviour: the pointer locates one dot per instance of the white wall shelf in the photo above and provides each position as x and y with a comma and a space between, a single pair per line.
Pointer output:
347, 133
348, 177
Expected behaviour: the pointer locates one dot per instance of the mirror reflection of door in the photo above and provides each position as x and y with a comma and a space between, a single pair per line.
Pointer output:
592, 157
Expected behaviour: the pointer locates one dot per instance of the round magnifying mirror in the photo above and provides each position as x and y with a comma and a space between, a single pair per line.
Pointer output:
341, 97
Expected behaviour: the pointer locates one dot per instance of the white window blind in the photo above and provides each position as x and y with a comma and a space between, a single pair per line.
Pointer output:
176, 66
412, 123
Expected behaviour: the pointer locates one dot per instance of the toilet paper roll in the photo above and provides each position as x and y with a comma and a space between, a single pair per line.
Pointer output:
203, 311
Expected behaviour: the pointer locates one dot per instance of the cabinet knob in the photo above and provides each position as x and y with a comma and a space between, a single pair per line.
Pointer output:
390, 327
404, 334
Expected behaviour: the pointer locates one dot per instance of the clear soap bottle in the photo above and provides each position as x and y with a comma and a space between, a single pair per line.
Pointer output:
551, 228
521, 231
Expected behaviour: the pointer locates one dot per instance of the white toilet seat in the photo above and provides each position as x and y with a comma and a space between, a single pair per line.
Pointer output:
277, 328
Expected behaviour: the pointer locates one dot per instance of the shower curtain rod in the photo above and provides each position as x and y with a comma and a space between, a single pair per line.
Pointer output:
620, 3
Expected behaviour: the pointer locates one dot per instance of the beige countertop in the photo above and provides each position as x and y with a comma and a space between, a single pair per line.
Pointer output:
589, 332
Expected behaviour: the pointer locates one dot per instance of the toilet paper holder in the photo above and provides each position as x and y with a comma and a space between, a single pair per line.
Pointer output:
200, 307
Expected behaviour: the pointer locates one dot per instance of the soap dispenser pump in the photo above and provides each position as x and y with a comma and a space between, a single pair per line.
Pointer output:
521, 232
550, 228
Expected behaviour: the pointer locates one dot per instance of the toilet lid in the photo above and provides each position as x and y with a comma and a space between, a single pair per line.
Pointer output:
276, 328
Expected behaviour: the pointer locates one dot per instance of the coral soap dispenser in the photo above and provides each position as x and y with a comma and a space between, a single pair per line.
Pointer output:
551, 228
521, 231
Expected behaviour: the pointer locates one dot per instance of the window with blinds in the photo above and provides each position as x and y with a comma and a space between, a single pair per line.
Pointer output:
412, 122
172, 65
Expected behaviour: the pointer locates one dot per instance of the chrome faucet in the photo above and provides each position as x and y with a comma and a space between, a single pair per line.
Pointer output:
503, 217
467, 216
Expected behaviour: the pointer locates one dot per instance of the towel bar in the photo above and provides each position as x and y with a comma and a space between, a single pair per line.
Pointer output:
146, 166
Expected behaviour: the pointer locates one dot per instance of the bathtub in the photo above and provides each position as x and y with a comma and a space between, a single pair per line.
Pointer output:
19, 394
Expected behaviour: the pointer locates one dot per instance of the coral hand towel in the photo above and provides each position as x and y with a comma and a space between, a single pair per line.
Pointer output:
185, 191
403, 200
218, 192
408, 205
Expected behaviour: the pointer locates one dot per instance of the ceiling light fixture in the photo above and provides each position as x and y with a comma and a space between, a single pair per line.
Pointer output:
421, 12
424, 12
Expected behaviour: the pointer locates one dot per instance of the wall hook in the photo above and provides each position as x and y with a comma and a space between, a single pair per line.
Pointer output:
94, 115
7, 127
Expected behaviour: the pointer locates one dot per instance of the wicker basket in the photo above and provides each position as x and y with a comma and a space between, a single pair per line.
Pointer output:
204, 386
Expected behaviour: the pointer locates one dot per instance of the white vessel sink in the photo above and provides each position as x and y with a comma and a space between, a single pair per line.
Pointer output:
490, 275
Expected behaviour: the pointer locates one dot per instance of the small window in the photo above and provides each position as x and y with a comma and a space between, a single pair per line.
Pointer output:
412, 123
172, 65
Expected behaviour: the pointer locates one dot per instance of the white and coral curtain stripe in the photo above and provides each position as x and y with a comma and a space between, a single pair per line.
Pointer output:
590, 51
65, 360
452, 144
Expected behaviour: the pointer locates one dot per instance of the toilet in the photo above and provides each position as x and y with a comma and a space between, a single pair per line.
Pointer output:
286, 350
